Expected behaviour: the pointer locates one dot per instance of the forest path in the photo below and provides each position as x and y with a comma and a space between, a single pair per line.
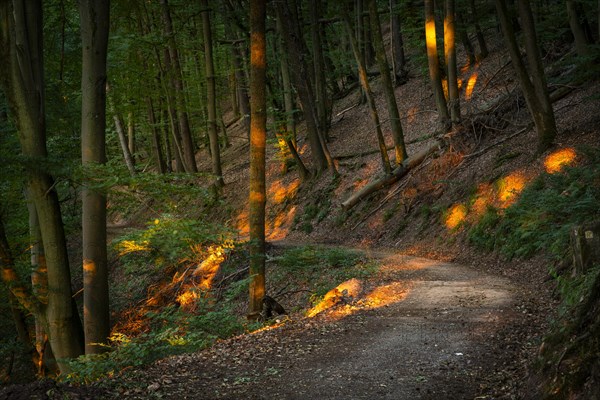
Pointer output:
430, 330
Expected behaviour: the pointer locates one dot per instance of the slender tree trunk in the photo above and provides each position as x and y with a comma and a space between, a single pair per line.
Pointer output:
288, 94
450, 55
434, 65
533, 82
211, 96
360, 36
320, 153
131, 134
94, 15
258, 135
187, 143
464, 38
581, 42
364, 80
23, 81
319, 67
242, 87
388, 87
39, 284
120, 128
172, 116
164, 123
156, 140
398, 56
483, 50
19, 297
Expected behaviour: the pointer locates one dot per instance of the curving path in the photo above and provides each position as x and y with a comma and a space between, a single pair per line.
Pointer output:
434, 331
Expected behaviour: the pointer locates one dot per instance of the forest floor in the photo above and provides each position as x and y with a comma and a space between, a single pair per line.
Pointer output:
417, 328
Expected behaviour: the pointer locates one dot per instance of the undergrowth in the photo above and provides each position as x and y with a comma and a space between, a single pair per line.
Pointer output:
540, 221
170, 328
546, 211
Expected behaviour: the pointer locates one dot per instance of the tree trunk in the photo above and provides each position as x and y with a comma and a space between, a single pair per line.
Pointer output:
120, 128
388, 87
483, 51
450, 54
157, 148
434, 65
533, 82
360, 35
581, 42
189, 158
398, 56
94, 15
19, 297
320, 153
242, 86
286, 83
319, 67
211, 96
131, 135
23, 83
464, 38
39, 284
364, 80
258, 128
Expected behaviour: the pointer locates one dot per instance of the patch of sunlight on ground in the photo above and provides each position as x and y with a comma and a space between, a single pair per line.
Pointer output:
279, 192
280, 226
456, 215
556, 161
345, 291
471, 86
510, 187
131, 246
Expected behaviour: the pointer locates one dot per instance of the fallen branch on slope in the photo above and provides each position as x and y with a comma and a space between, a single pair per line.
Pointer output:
477, 153
397, 174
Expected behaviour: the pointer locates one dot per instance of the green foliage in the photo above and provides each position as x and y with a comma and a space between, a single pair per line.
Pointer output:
545, 212
321, 268
174, 332
312, 257
170, 238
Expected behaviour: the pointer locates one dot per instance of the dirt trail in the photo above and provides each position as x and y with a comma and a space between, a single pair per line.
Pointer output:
441, 336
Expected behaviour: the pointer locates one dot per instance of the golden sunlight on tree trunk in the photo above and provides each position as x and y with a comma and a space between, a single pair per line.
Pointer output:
450, 54
434, 64
23, 83
94, 15
258, 134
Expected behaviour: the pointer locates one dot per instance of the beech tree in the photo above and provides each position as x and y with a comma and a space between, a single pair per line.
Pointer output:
434, 64
213, 136
450, 55
23, 83
388, 87
258, 136
532, 80
94, 17
301, 79
364, 81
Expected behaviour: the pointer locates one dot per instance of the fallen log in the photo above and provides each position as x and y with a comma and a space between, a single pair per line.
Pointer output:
397, 174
